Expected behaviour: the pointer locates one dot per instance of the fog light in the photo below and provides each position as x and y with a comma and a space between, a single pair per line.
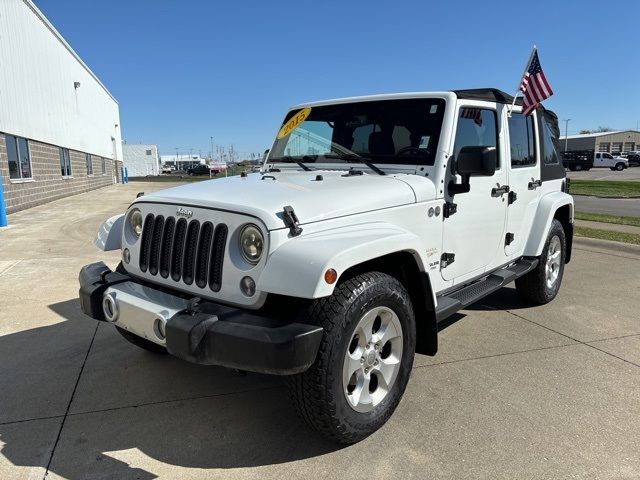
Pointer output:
248, 286
110, 307
126, 255
159, 328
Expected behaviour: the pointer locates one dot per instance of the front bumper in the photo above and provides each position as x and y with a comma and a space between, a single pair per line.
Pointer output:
213, 335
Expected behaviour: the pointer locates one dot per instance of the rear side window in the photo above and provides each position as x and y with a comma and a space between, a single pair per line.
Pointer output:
476, 127
521, 140
549, 151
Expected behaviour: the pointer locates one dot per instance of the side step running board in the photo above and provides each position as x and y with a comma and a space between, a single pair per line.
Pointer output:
450, 303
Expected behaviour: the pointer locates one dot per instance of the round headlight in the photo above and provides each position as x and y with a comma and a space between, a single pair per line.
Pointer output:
251, 243
135, 222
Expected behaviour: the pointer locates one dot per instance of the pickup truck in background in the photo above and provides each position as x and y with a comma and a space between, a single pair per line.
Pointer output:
588, 159
634, 158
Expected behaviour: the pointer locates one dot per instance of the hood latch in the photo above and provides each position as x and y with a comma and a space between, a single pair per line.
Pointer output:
291, 221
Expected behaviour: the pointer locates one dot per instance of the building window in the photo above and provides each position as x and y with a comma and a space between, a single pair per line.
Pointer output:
148, 152
616, 148
65, 162
104, 166
19, 158
521, 140
604, 147
89, 161
629, 147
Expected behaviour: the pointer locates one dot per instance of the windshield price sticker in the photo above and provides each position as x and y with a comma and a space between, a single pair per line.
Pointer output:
294, 122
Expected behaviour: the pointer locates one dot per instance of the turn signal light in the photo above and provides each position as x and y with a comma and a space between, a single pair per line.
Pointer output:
330, 276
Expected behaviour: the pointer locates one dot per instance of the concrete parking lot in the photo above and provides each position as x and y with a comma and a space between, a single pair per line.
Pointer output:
515, 392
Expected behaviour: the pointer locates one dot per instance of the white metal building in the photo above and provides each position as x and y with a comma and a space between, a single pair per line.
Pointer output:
59, 125
615, 142
141, 160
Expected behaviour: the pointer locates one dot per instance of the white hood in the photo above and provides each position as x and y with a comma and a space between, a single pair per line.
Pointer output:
264, 197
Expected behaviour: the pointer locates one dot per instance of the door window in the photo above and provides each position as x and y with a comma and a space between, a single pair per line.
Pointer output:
476, 127
521, 140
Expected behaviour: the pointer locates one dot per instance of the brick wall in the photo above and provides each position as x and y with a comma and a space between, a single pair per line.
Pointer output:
48, 183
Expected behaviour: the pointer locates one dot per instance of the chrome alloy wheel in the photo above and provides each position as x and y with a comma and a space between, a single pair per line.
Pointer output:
554, 257
372, 359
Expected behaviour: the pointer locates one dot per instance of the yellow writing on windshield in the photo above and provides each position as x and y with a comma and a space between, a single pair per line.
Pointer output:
294, 122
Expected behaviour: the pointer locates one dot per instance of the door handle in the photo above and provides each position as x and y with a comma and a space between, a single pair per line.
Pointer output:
499, 191
535, 184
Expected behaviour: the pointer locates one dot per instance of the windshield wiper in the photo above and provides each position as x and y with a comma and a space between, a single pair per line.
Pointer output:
289, 158
354, 158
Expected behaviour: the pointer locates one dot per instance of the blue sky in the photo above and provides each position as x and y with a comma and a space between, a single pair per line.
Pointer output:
184, 71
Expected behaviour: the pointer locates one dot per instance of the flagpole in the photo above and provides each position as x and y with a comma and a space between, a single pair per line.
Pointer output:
526, 67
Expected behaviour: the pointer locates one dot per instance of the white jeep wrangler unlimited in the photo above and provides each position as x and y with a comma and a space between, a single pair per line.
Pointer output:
373, 220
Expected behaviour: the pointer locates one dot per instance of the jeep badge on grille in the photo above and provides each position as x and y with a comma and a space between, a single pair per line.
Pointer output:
184, 213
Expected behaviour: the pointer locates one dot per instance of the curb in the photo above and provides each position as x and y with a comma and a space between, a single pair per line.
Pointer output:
599, 196
607, 245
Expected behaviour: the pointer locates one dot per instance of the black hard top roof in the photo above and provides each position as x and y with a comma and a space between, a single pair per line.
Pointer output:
489, 94
492, 95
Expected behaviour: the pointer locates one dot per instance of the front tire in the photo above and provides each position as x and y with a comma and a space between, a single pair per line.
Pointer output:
364, 361
619, 166
541, 285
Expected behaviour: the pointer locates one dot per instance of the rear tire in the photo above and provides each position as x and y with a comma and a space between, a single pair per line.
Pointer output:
541, 285
578, 167
364, 361
142, 342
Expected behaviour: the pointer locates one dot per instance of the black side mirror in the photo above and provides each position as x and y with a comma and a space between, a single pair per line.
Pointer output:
473, 161
477, 161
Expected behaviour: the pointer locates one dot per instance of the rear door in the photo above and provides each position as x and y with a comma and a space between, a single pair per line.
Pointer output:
475, 233
524, 182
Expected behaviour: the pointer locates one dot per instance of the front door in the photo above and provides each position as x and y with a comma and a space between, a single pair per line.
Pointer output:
597, 162
475, 233
524, 182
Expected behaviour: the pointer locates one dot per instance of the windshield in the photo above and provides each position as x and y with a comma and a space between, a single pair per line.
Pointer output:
384, 132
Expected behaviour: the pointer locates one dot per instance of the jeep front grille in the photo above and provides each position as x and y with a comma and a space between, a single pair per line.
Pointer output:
185, 250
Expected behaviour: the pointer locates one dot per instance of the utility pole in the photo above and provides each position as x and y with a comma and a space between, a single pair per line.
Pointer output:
566, 133
211, 148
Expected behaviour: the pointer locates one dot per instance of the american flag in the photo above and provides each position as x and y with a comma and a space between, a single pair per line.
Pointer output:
534, 85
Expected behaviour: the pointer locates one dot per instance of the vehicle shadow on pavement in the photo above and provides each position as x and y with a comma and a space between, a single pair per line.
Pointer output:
507, 298
130, 400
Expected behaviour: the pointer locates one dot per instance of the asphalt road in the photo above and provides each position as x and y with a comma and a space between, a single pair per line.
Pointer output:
629, 207
515, 392
631, 174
